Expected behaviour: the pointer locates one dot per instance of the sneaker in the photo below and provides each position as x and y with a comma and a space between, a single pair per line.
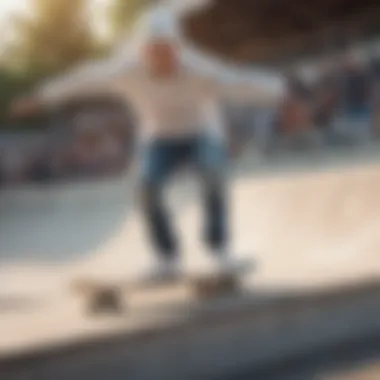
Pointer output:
227, 263
163, 271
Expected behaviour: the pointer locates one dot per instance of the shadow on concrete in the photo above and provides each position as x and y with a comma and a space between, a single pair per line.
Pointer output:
359, 360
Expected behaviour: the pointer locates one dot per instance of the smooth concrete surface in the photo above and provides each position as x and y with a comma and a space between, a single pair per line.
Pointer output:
217, 347
355, 360
308, 231
59, 222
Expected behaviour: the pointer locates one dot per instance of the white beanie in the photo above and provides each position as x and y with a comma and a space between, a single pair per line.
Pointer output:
161, 22
164, 20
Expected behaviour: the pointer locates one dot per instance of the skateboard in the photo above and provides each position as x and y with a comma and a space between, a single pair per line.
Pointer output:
102, 296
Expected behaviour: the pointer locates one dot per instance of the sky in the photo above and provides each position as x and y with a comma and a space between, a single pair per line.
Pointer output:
9, 6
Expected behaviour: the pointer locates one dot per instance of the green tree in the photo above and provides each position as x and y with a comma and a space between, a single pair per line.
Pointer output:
56, 36
122, 15
12, 85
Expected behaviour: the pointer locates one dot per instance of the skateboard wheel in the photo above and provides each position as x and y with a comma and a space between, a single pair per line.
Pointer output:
105, 301
209, 288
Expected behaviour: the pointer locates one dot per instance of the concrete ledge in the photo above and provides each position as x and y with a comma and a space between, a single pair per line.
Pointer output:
215, 341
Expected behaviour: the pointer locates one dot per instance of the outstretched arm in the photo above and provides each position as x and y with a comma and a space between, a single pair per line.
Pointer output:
258, 88
94, 78
239, 84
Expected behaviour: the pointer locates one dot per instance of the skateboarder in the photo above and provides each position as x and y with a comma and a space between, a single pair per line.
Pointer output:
176, 92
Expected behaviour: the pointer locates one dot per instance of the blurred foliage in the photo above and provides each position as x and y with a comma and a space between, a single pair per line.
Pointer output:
12, 85
55, 36
122, 15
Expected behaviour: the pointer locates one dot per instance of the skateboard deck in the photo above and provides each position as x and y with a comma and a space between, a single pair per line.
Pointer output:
104, 296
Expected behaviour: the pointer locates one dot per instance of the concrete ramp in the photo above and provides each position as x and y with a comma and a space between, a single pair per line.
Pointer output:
325, 219
61, 222
315, 236
320, 221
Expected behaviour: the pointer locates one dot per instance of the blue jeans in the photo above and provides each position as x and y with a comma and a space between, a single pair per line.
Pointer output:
159, 161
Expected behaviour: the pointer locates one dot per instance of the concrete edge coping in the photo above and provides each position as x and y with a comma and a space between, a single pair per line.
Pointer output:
282, 305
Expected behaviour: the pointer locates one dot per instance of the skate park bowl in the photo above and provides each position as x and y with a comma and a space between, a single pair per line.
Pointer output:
56, 222
311, 223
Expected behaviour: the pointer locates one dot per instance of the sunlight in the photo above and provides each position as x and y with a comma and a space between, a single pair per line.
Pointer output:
9, 6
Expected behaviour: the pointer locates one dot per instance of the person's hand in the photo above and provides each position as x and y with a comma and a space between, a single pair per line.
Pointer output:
25, 106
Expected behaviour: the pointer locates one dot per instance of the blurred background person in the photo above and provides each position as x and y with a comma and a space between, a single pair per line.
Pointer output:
325, 101
354, 119
375, 101
296, 128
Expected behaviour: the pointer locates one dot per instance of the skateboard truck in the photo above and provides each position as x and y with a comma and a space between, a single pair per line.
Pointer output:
101, 299
210, 287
